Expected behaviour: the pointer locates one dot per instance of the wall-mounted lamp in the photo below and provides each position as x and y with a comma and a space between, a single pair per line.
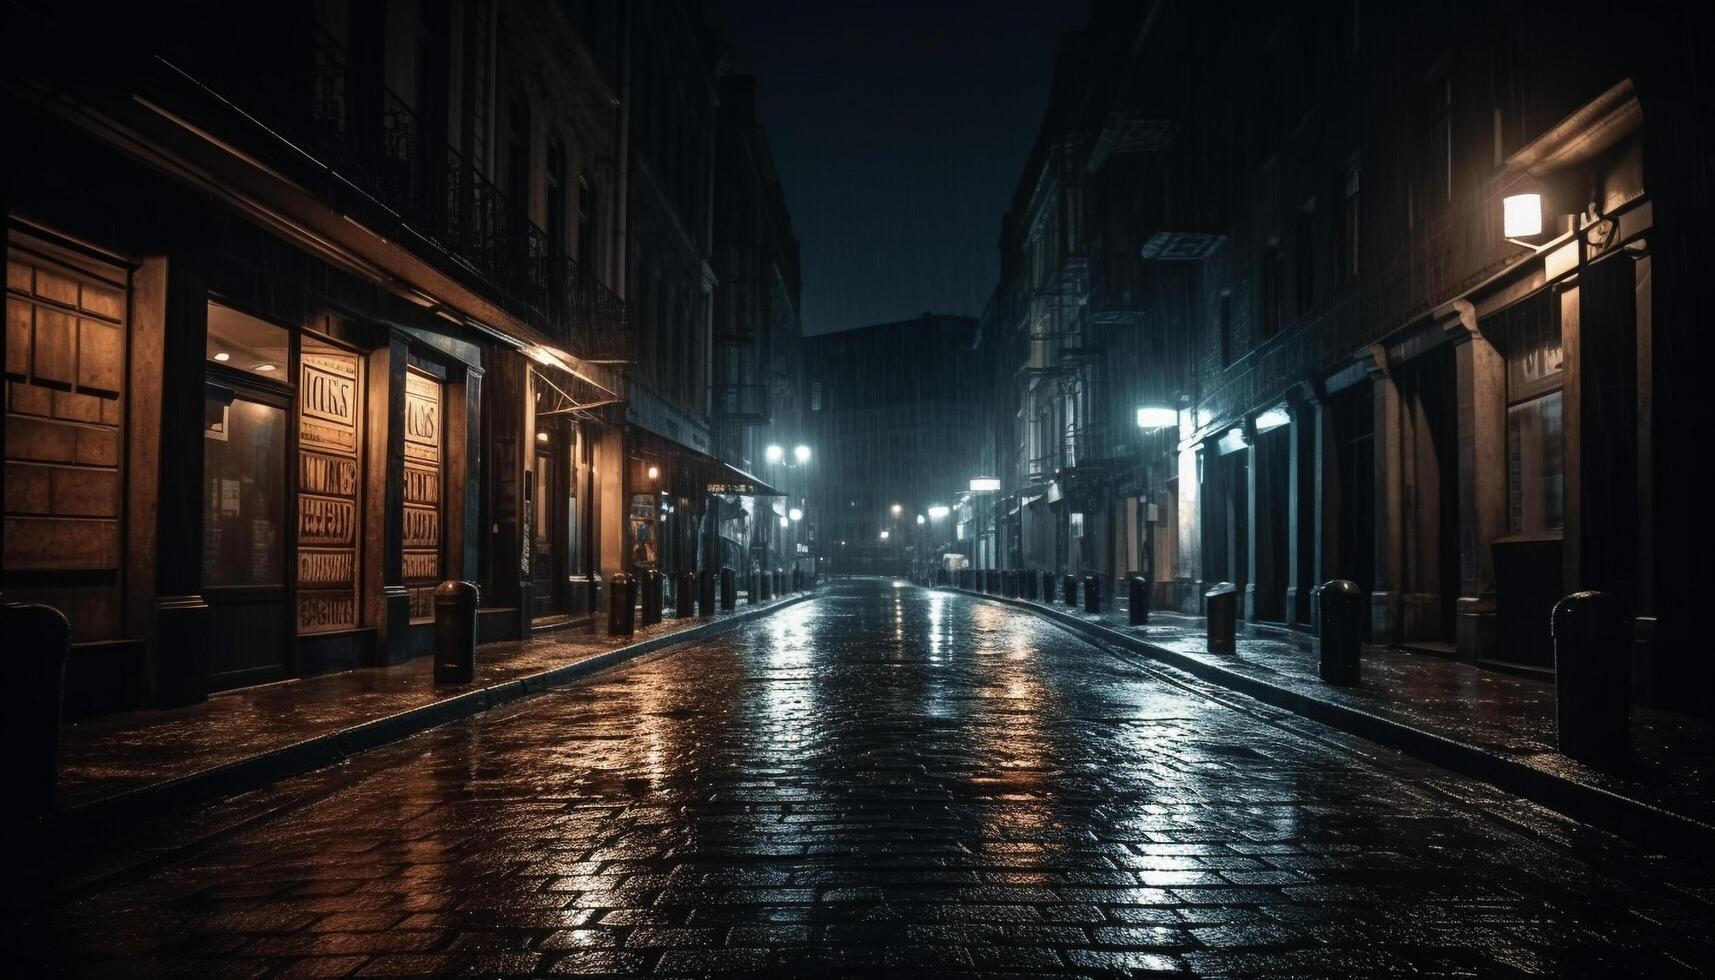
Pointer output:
785, 523
1521, 217
884, 535
896, 510
921, 519
654, 472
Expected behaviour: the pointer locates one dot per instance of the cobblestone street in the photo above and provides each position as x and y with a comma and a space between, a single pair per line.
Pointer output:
889, 779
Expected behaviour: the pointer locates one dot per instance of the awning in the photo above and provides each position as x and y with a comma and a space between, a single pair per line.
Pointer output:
729, 479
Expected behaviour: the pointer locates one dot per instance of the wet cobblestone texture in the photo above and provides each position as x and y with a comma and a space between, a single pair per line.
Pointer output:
894, 780
1672, 762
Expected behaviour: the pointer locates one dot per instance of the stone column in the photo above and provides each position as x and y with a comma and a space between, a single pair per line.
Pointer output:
178, 660
1482, 404
1390, 486
1251, 523
388, 605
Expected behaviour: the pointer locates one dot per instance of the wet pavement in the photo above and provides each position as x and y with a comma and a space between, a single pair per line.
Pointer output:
1672, 761
893, 780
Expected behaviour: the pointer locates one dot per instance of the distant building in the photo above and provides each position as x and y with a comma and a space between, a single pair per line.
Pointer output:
898, 407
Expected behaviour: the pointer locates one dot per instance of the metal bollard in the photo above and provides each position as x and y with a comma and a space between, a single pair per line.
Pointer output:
1069, 590
1592, 680
1341, 608
649, 589
706, 592
729, 588
621, 605
1093, 594
1139, 600
1048, 587
797, 579
455, 632
765, 584
685, 595
1221, 607
780, 582
39, 637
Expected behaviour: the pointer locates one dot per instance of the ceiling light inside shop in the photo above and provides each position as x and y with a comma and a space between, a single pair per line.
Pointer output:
266, 368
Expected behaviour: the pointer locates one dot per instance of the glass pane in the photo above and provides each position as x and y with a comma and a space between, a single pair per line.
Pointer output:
1536, 469
244, 485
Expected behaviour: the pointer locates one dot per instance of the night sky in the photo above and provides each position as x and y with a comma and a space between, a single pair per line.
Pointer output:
899, 128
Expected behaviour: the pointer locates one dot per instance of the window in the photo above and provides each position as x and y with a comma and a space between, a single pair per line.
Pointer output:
1348, 229
1305, 252
1226, 328
1529, 337
554, 194
1270, 312
586, 226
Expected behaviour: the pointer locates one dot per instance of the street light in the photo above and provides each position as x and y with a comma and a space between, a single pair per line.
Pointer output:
795, 514
884, 535
775, 454
784, 522
921, 519
897, 510
801, 453
939, 511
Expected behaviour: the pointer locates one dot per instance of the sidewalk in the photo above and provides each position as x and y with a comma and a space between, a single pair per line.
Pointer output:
1505, 717
238, 740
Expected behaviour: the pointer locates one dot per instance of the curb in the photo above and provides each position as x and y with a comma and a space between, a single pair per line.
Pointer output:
298, 758
1623, 816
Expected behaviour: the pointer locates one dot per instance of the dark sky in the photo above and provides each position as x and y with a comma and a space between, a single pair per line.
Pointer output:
899, 129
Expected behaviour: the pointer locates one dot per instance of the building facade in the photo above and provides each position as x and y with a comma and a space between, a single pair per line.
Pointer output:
1267, 324
311, 307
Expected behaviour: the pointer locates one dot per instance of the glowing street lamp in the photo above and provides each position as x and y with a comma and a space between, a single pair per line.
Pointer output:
1521, 215
921, 519
801, 453
795, 514
897, 510
939, 511
884, 535
784, 522
774, 454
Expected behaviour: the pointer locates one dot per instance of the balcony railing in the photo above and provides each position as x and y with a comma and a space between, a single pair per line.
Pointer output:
446, 198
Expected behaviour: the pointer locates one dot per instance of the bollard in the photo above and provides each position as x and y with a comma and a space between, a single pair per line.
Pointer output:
1139, 600
39, 638
1340, 605
649, 590
1007, 588
455, 632
1221, 607
1592, 680
621, 605
1069, 590
729, 588
780, 582
752, 594
797, 579
1048, 587
706, 592
685, 595
765, 584
1093, 594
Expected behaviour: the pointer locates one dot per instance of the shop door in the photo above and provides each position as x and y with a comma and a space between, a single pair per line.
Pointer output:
245, 435
549, 546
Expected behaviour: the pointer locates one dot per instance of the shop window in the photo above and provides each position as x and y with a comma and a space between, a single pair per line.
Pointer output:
244, 475
239, 342
1529, 336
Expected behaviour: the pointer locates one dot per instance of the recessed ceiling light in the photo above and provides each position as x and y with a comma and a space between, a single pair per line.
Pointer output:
222, 356
265, 368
